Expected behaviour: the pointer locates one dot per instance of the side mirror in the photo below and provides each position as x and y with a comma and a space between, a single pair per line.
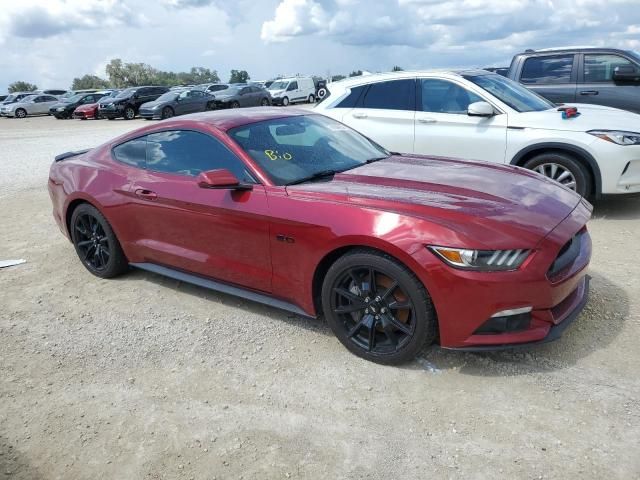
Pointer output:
221, 179
626, 73
480, 109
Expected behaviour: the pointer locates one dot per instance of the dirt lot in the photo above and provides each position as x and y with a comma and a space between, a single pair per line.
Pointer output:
148, 378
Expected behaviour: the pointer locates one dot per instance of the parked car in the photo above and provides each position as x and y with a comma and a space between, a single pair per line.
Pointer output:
177, 102
293, 90
237, 96
300, 212
481, 115
214, 87
90, 110
127, 103
64, 109
15, 97
600, 76
29, 105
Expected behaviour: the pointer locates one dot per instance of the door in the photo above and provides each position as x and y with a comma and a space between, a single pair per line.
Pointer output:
218, 233
184, 103
293, 91
596, 84
198, 101
386, 114
552, 76
244, 97
444, 128
39, 105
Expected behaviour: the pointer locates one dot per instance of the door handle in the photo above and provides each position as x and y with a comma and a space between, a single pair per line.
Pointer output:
589, 92
360, 115
427, 120
146, 194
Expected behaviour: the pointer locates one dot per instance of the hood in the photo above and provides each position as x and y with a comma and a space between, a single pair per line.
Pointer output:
276, 92
223, 96
152, 104
592, 117
87, 106
62, 104
484, 205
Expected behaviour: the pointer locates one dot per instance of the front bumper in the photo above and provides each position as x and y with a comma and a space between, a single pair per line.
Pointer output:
111, 112
466, 300
150, 114
619, 166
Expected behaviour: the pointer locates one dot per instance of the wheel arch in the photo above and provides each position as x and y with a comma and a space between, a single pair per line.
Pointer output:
333, 255
579, 153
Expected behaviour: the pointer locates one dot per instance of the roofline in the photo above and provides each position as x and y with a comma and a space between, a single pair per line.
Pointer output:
572, 49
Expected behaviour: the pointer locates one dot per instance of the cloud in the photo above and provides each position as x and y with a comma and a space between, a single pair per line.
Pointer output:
36, 19
442, 25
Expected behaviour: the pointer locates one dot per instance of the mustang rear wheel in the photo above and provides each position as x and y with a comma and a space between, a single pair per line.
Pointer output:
95, 242
563, 169
377, 308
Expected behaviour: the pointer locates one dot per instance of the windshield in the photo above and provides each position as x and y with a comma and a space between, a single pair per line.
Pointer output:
126, 93
513, 94
10, 98
228, 91
291, 149
75, 98
634, 54
166, 97
278, 85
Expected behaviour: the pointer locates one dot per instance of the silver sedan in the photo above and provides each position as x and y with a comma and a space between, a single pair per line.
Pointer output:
31, 105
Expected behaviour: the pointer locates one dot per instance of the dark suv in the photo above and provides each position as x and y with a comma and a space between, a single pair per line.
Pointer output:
601, 76
127, 103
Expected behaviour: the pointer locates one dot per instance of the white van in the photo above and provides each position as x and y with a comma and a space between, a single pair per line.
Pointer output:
292, 90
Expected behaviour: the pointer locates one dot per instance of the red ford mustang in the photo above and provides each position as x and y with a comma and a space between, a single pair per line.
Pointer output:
298, 211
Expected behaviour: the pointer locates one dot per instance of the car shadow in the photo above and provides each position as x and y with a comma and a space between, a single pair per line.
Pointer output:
13, 465
618, 208
596, 328
318, 325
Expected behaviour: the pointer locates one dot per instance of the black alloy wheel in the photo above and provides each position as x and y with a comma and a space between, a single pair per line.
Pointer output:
129, 113
235, 105
377, 307
264, 102
95, 243
21, 113
167, 112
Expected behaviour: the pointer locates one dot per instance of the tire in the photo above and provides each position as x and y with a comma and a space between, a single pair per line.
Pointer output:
368, 323
167, 112
285, 101
235, 105
111, 118
311, 98
210, 106
265, 102
129, 113
321, 93
564, 169
21, 113
101, 253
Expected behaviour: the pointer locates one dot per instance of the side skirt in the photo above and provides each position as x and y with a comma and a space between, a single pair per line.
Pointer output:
222, 287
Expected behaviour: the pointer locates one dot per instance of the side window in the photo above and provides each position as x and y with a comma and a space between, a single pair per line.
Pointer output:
184, 152
443, 96
599, 68
292, 86
197, 94
550, 69
392, 95
50, 99
352, 99
132, 153
245, 90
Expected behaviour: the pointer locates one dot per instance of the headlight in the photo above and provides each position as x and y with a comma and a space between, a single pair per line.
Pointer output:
616, 136
481, 260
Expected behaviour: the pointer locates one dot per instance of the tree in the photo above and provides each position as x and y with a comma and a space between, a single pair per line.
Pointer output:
355, 73
396, 68
21, 86
335, 78
239, 76
89, 81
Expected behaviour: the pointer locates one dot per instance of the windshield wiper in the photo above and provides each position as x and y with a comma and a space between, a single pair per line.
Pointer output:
315, 176
376, 159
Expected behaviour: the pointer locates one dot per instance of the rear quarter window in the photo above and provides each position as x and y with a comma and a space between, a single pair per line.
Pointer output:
132, 153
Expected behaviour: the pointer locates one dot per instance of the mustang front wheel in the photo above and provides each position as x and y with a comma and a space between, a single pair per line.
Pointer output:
377, 308
95, 242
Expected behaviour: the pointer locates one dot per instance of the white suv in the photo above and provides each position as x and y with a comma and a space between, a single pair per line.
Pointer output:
478, 115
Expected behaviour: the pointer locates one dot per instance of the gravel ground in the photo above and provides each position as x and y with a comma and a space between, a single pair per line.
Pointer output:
147, 378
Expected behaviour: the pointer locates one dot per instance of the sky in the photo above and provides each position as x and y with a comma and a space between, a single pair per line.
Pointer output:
49, 42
